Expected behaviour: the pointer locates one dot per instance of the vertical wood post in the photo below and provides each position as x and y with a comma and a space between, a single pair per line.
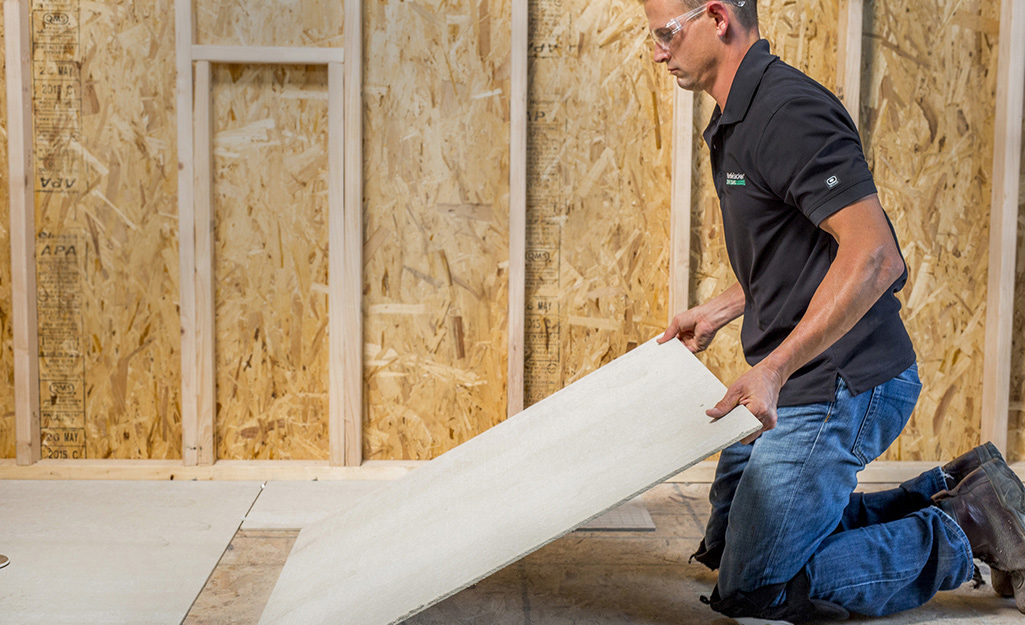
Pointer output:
680, 201
23, 229
206, 400
183, 39
996, 375
517, 206
848, 56
353, 247
336, 262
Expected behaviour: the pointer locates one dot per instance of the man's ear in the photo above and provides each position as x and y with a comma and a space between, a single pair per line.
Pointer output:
722, 17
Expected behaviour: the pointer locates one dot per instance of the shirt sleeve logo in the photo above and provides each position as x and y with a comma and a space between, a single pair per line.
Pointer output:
735, 179
832, 181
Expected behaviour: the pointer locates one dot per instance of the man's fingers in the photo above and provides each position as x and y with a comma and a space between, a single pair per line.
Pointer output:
726, 404
670, 332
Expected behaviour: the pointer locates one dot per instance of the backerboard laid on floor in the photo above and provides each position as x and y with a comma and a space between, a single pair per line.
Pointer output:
603, 439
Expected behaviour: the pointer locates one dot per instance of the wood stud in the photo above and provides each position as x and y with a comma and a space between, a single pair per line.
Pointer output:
352, 312
23, 229
996, 377
848, 62
517, 207
679, 219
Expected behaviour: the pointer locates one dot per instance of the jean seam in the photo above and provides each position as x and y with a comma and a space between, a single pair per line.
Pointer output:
966, 546
885, 580
873, 403
770, 560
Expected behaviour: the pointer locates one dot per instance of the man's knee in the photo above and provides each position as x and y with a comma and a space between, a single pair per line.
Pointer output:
797, 605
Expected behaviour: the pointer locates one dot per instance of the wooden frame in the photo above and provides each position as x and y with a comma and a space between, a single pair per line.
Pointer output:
517, 207
345, 227
680, 202
348, 415
23, 229
848, 53
996, 376
345, 231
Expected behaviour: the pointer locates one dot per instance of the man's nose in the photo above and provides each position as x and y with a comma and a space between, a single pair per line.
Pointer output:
659, 55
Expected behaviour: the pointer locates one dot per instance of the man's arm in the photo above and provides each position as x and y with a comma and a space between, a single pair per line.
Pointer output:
867, 263
696, 327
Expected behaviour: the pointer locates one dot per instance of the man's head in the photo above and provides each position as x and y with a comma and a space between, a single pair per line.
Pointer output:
696, 39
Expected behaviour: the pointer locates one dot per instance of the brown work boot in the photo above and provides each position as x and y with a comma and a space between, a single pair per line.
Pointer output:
989, 505
958, 468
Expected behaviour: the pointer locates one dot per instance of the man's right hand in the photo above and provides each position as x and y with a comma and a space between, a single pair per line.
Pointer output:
693, 328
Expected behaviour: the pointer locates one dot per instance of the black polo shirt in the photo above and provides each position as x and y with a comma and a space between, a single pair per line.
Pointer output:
786, 155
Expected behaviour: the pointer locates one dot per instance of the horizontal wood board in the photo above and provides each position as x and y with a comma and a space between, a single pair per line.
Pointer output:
600, 441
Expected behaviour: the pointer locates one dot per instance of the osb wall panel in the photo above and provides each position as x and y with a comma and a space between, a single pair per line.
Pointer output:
436, 165
271, 232
598, 193
436, 144
7, 435
107, 262
1016, 422
927, 113
284, 23
802, 34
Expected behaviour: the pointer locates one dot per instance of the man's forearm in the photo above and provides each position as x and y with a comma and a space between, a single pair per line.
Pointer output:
725, 307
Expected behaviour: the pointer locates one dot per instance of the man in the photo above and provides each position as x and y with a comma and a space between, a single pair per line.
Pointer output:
833, 377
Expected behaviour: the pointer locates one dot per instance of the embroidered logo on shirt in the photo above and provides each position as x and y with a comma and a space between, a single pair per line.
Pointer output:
735, 180
832, 181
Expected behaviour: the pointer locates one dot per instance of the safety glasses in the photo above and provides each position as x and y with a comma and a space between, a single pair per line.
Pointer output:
664, 36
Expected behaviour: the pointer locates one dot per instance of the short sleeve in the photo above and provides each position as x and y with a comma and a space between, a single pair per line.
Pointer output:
811, 157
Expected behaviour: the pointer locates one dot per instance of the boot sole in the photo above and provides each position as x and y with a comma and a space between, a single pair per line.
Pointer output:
1018, 583
1001, 582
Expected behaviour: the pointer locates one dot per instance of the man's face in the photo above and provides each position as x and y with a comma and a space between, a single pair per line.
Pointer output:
689, 56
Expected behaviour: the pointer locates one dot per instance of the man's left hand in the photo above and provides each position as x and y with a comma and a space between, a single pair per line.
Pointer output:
758, 391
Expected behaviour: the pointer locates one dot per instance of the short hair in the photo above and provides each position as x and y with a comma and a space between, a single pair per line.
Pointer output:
747, 15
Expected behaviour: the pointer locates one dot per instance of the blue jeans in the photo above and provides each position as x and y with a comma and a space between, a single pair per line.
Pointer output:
786, 504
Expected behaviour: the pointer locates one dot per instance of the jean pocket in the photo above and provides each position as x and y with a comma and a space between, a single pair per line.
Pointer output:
889, 409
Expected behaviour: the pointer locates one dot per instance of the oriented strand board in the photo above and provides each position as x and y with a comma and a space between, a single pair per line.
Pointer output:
107, 264
598, 196
927, 121
271, 259
436, 154
598, 442
804, 34
300, 23
271, 231
7, 435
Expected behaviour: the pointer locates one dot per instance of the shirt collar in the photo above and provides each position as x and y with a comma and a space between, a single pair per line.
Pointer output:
745, 82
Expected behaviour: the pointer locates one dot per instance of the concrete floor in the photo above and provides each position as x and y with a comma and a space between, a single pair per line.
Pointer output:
592, 578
